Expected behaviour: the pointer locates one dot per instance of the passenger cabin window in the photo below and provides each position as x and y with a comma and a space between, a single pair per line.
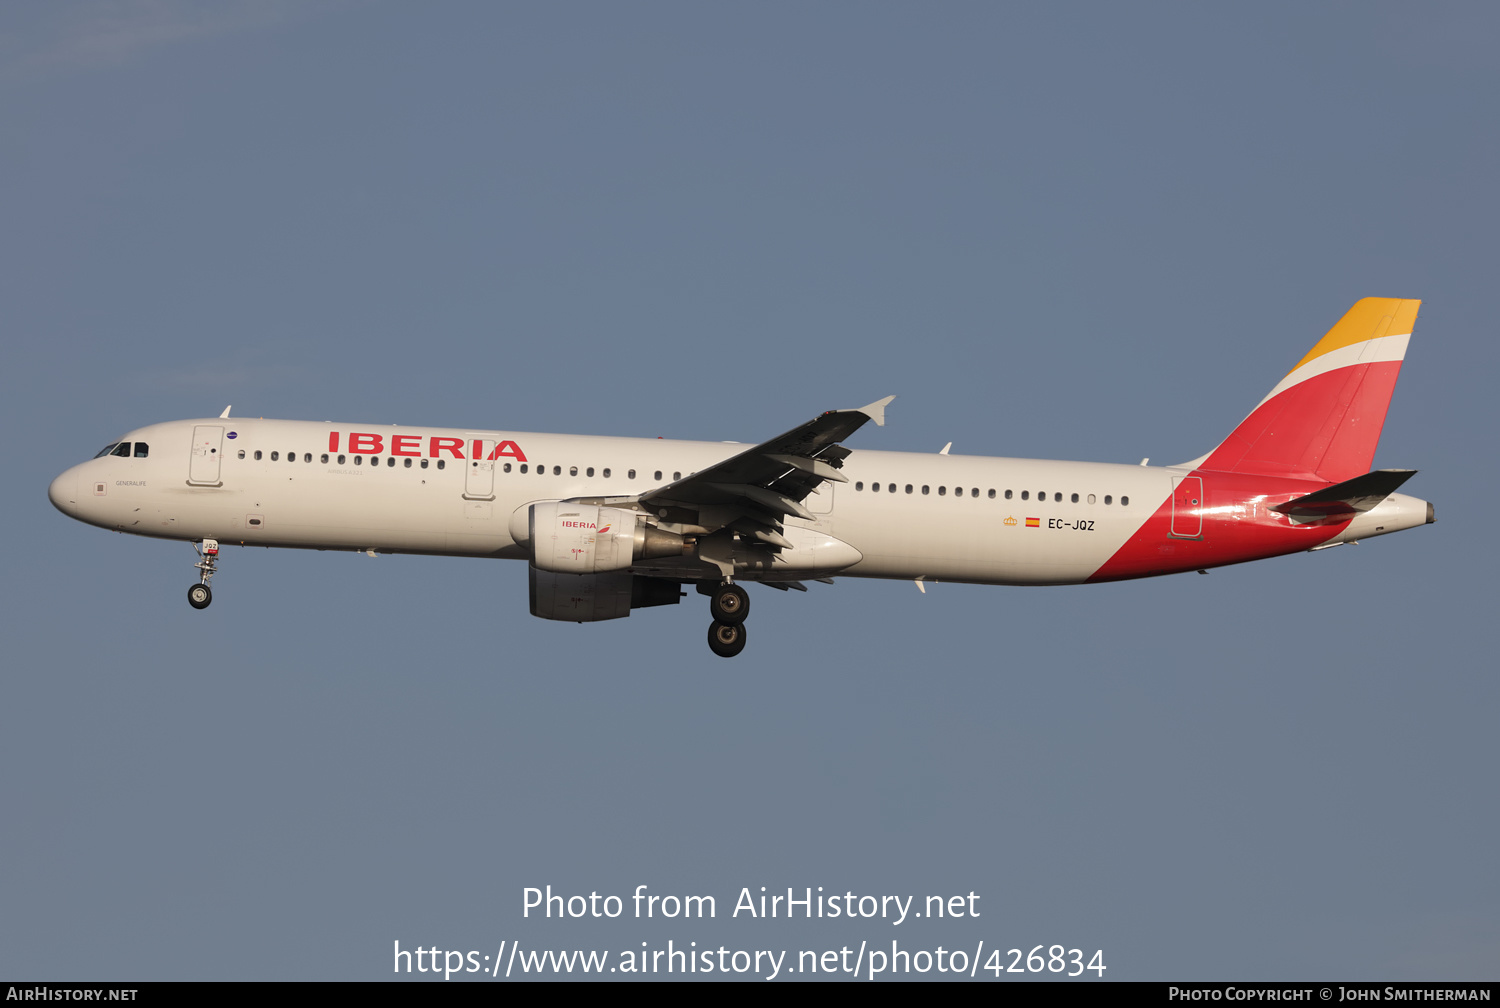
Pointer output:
257, 454
341, 460
507, 465
658, 475
1124, 501
1108, 499
606, 474
630, 475
942, 491
1025, 495
307, 456
1007, 495
242, 455
276, 457
859, 484
441, 463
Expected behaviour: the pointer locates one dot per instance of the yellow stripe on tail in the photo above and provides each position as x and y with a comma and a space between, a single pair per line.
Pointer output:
1370, 318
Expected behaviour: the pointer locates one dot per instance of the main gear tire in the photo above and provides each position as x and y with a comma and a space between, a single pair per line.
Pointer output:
729, 604
726, 639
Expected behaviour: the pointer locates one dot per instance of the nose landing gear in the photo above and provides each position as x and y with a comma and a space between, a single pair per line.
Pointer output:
200, 595
729, 604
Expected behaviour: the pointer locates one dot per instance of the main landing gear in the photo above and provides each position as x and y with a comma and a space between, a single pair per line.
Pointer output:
729, 605
200, 595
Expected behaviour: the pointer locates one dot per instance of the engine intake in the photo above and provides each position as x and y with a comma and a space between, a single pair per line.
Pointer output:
566, 538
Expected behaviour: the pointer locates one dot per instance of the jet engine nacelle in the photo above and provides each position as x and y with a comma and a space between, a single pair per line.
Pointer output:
567, 538
588, 598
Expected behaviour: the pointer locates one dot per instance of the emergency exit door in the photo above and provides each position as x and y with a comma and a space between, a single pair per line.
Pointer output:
479, 478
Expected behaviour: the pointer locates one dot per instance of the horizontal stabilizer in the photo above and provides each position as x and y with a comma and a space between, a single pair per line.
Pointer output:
1361, 493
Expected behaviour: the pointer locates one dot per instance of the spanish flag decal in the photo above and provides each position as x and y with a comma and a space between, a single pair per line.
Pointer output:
1033, 523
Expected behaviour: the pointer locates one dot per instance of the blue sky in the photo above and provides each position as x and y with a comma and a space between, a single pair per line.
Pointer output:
1083, 231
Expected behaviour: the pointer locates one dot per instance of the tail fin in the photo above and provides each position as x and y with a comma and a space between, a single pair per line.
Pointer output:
1323, 420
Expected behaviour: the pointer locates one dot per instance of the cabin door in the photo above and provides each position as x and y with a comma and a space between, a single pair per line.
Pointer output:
203, 463
1187, 507
479, 480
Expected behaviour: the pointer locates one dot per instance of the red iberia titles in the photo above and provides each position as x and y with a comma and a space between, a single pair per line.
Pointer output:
416, 446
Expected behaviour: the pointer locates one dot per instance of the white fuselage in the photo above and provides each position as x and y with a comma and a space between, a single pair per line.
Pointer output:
608, 525
278, 483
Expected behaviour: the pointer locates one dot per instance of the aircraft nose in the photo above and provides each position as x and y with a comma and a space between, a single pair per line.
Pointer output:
63, 492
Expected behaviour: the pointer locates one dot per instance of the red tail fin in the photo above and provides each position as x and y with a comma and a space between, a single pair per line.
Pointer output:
1323, 420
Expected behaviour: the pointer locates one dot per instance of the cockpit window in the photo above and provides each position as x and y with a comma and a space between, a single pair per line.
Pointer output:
123, 450
107, 449
142, 449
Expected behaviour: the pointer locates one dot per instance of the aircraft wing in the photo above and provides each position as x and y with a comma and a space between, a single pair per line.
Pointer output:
753, 491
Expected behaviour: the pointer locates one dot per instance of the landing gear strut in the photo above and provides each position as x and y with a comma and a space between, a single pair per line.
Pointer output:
200, 595
729, 604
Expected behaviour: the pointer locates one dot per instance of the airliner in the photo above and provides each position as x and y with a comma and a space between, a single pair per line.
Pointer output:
608, 525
